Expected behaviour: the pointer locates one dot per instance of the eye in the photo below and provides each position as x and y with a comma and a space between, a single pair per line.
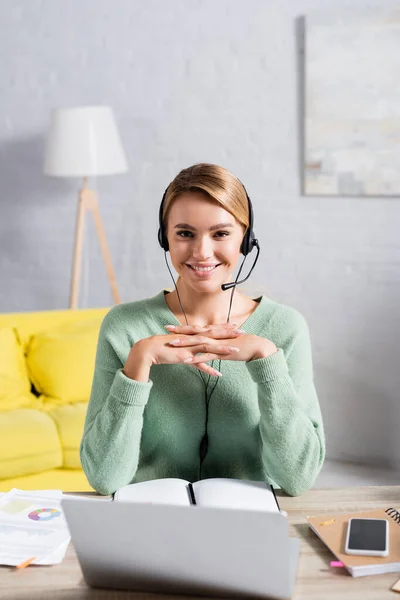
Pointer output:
184, 233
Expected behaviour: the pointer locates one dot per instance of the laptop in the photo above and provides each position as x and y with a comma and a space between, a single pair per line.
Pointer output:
182, 549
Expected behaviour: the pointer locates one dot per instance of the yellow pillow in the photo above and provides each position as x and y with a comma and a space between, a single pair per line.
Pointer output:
61, 361
29, 443
70, 420
15, 387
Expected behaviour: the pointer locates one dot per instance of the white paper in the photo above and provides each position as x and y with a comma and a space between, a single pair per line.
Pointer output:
55, 557
155, 491
235, 493
32, 523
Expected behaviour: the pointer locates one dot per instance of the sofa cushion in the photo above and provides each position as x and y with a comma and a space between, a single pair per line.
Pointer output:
15, 387
61, 361
70, 420
28, 324
29, 443
67, 480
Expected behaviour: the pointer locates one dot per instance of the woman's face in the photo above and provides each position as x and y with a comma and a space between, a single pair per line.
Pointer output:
204, 241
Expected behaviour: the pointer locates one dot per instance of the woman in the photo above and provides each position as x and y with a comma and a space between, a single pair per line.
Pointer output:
158, 408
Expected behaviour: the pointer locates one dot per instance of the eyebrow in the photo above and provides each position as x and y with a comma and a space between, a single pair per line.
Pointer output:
218, 226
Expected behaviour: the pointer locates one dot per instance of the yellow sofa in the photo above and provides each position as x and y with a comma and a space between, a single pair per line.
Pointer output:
46, 370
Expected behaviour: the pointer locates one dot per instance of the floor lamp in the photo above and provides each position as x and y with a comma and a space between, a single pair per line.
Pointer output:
84, 142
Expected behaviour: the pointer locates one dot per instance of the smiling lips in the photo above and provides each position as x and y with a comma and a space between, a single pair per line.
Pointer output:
203, 270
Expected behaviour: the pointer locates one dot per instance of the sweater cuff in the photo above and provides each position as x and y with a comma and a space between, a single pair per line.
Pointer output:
129, 391
267, 369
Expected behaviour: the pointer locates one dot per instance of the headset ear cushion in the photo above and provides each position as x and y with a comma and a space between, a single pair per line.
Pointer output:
248, 243
244, 248
163, 240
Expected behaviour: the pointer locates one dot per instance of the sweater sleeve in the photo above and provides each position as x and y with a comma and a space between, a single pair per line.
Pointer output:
110, 445
291, 428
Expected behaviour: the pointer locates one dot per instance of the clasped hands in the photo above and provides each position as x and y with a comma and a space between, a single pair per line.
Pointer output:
223, 342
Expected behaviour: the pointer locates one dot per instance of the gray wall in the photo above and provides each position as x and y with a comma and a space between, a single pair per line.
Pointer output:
190, 81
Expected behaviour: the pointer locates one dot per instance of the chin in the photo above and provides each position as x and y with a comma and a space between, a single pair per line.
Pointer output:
209, 286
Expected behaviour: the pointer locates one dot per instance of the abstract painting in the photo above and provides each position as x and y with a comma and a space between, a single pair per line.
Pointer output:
352, 103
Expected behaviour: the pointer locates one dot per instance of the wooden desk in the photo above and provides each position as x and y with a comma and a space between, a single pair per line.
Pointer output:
315, 579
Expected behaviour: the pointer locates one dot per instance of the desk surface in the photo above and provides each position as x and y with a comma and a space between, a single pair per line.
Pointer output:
315, 579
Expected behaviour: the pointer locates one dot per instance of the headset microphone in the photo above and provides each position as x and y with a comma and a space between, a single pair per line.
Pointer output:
228, 286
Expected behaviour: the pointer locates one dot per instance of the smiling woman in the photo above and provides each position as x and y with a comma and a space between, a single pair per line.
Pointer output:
150, 413
197, 253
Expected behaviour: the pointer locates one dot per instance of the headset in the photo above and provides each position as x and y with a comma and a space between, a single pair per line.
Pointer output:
248, 243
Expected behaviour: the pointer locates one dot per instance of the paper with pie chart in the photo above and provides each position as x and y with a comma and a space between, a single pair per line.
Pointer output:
32, 523
44, 514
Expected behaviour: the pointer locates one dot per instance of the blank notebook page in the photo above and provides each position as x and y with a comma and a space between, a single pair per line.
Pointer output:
235, 493
155, 491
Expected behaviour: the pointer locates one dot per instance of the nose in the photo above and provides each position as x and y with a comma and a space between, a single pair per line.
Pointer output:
202, 249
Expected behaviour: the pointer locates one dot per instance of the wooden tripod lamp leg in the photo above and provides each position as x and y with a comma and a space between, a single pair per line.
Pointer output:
88, 201
104, 248
77, 256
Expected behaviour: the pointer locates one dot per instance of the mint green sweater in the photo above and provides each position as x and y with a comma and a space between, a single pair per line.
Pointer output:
264, 419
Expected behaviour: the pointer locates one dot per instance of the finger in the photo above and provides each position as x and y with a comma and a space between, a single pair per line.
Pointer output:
190, 329
207, 369
212, 349
187, 341
217, 326
224, 334
207, 356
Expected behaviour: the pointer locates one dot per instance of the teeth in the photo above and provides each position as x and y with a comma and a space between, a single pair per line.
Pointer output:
203, 268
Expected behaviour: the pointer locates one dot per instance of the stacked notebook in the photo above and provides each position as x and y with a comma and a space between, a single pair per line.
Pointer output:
332, 529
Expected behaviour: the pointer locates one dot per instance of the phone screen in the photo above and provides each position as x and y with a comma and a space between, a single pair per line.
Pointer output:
367, 534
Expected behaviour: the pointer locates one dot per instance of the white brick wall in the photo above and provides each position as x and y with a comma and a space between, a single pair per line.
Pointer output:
199, 81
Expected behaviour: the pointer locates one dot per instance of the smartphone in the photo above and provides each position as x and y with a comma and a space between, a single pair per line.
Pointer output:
367, 537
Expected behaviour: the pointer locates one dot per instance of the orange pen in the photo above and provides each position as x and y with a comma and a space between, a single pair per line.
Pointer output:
26, 563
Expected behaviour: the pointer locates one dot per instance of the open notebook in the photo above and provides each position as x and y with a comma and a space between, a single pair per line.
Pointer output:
332, 529
219, 492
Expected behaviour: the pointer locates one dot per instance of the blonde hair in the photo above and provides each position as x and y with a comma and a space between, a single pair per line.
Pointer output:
217, 183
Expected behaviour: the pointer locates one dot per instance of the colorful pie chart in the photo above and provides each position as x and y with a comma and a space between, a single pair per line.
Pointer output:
44, 514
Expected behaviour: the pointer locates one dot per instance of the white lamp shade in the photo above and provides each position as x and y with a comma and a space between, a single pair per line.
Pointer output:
84, 141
